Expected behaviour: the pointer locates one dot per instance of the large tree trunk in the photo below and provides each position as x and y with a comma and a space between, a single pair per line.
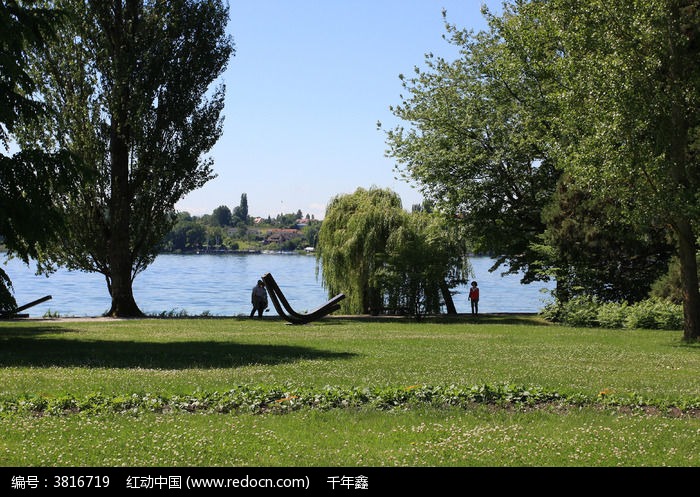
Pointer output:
682, 169
689, 280
120, 256
123, 303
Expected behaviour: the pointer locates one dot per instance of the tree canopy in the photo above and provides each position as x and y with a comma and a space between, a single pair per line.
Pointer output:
472, 140
34, 184
595, 250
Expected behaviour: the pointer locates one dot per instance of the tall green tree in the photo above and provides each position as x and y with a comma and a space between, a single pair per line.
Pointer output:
34, 184
606, 91
241, 211
471, 139
133, 81
626, 78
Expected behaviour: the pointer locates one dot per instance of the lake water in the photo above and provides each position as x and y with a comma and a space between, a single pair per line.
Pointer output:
220, 285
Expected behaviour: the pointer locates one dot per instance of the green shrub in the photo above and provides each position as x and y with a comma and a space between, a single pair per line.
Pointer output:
586, 311
551, 312
612, 314
580, 311
655, 313
670, 316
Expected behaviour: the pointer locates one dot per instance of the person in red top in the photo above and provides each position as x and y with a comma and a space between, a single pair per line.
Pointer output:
474, 298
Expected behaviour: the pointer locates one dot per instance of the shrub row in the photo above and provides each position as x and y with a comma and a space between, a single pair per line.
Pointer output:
265, 399
654, 313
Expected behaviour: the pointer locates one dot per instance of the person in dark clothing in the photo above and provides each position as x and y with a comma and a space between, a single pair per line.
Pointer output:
259, 299
474, 298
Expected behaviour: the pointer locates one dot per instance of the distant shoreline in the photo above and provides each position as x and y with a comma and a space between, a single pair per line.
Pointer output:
236, 251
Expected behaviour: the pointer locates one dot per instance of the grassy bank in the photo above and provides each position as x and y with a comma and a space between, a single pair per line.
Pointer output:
497, 391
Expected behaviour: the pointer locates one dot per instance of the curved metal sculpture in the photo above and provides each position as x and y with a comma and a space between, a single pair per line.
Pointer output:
288, 313
14, 313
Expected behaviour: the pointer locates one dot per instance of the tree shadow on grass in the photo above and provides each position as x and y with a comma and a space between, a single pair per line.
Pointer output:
23, 349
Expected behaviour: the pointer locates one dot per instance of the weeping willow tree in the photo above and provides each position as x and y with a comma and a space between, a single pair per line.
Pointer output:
382, 257
351, 245
426, 259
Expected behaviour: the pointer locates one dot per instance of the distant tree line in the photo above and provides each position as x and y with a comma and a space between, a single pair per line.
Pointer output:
235, 230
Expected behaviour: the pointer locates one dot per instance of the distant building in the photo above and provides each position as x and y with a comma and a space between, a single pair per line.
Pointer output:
281, 235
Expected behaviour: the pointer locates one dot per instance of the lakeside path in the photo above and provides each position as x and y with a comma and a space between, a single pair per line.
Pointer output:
495, 317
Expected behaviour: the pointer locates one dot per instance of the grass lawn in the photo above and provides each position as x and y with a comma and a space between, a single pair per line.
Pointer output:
345, 392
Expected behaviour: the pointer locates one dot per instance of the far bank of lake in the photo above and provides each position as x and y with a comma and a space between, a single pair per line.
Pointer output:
220, 285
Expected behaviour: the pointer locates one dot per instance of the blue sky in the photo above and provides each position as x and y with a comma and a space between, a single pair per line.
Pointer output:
304, 91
